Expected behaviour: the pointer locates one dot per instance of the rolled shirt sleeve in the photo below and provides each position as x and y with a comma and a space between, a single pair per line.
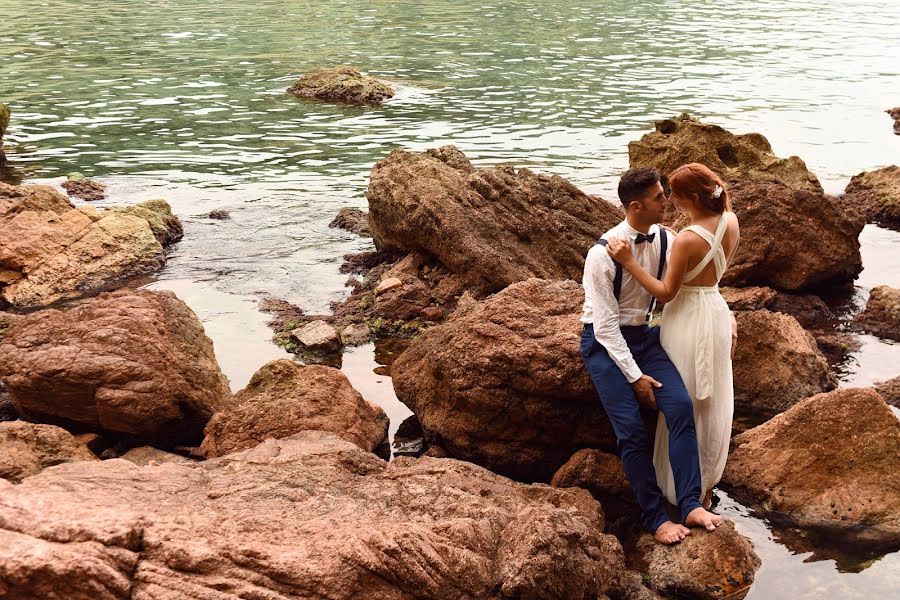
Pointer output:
605, 309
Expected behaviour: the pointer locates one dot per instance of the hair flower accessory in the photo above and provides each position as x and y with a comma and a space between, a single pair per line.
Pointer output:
718, 191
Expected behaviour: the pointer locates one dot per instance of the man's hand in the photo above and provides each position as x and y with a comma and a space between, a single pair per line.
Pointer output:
643, 391
733, 335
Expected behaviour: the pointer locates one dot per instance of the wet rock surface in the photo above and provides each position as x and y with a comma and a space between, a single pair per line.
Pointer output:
895, 115
828, 463
776, 363
220, 214
284, 398
876, 195
166, 227
353, 220
4, 124
135, 364
317, 336
882, 313
79, 186
343, 84
890, 391
29, 448
229, 527
501, 383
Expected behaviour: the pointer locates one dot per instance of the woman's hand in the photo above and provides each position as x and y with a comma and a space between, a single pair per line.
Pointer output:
620, 251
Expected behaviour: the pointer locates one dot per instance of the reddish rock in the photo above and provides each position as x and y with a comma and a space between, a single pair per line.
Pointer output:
353, 220
28, 448
317, 336
809, 310
312, 516
284, 398
882, 313
344, 84
828, 463
492, 226
84, 188
134, 364
501, 383
895, 115
876, 195
890, 391
147, 455
356, 334
432, 313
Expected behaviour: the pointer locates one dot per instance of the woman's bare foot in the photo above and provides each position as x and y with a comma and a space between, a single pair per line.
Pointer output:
700, 517
707, 500
671, 533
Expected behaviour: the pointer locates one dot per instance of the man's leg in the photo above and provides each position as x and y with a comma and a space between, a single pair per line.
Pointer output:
632, 436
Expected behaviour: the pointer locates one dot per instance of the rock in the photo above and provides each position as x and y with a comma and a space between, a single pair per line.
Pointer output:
94, 442
828, 463
133, 364
355, 334
388, 284
882, 313
683, 140
284, 398
166, 227
432, 313
809, 310
501, 382
792, 240
147, 455
895, 115
890, 391
776, 363
50, 251
491, 227
28, 448
317, 336
876, 195
409, 439
344, 84
4, 124
311, 516
8, 410
353, 220
79, 186
707, 565
220, 214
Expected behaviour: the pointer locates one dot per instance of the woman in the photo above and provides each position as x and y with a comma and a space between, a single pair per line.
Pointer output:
697, 330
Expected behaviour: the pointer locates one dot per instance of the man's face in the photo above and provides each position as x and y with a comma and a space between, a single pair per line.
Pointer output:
653, 204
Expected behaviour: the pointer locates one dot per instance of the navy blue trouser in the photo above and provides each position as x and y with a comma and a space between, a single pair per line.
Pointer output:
635, 448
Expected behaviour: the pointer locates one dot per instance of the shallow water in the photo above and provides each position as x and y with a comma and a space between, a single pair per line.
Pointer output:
184, 100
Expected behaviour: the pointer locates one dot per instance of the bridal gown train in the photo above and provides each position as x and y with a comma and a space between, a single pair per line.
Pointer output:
696, 334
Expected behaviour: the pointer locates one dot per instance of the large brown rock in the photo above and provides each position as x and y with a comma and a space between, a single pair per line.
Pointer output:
51, 251
284, 398
492, 226
890, 391
134, 364
28, 448
882, 313
312, 516
876, 195
776, 363
501, 383
683, 140
829, 463
808, 309
344, 84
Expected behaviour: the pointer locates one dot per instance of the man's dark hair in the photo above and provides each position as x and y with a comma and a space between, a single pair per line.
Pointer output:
635, 182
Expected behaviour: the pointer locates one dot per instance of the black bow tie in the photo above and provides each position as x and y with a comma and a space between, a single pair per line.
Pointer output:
641, 238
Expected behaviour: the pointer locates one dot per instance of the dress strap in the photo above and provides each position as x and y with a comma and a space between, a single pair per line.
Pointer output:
715, 248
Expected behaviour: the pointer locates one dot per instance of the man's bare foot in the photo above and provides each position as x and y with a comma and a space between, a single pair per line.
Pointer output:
707, 500
671, 533
700, 517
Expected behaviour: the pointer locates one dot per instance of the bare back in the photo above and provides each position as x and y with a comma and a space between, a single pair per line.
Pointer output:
698, 247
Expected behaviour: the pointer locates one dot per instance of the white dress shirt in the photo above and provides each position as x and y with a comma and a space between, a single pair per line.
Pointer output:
600, 306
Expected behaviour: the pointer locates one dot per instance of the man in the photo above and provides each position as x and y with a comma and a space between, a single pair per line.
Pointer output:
629, 367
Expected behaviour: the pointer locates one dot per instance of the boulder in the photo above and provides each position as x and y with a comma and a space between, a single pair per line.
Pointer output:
882, 313
147, 455
219, 214
808, 309
28, 448
876, 195
895, 115
707, 565
792, 240
311, 516
50, 251
501, 382
317, 336
683, 140
492, 226
353, 220
344, 84
135, 364
284, 398
165, 226
79, 186
828, 463
890, 391
776, 363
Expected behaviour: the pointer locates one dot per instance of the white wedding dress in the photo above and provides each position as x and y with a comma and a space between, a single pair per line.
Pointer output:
696, 334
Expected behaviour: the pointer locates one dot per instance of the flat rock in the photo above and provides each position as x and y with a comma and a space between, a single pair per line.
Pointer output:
876, 195
749, 156
776, 363
829, 463
353, 220
148, 455
355, 334
312, 516
318, 336
29, 448
135, 364
882, 313
284, 398
344, 84
492, 226
501, 382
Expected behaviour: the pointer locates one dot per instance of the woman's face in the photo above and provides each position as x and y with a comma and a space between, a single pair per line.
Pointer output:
678, 201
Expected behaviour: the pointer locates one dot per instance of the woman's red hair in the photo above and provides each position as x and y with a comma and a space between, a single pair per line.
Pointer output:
697, 179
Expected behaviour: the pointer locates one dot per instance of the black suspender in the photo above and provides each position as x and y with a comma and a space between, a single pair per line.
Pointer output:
617, 280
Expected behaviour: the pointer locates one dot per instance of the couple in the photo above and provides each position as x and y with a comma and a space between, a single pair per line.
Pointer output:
683, 367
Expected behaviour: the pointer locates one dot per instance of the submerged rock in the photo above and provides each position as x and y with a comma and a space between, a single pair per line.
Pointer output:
490, 227
79, 186
344, 84
284, 398
134, 364
501, 383
220, 214
683, 140
28, 448
876, 195
311, 516
882, 313
353, 220
828, 463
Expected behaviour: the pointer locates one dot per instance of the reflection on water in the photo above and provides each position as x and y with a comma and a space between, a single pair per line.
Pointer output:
366, 373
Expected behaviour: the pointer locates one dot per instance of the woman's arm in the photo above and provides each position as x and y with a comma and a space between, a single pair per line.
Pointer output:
663, 290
